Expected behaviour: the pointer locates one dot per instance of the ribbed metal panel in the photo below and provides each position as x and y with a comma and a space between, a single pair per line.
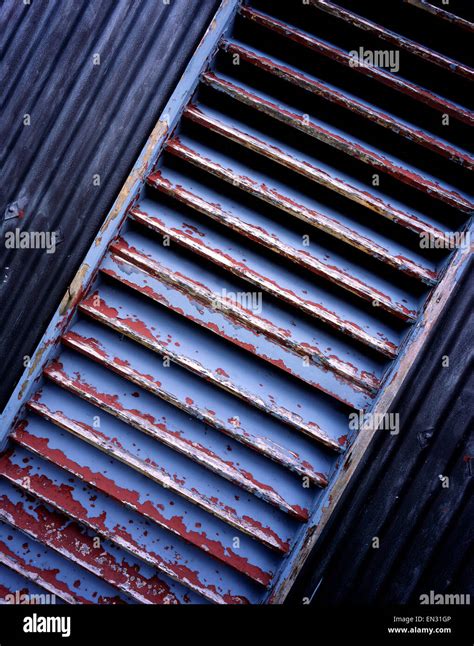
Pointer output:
260, 288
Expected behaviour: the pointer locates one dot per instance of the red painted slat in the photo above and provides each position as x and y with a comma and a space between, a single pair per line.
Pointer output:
438, 12
411, 222
272, 196
63, 498
55, 373
247, 272
68, 539
196, 452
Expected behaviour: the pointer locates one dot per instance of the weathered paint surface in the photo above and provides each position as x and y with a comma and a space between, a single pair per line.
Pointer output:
337, 138
267, 275
354, 104
382, 76
86, 119
396, 39
226, 128
443, 14
222, 320
170, 116
189, 403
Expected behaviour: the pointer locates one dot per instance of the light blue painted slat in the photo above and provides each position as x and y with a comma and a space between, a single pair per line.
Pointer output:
192, 395
302, 205
255, 383
226, 327
285, 325
213, 494
79, 545
284, 234
144, 455
241, 258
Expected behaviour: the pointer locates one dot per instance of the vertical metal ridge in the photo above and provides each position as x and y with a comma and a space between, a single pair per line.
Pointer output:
54, 182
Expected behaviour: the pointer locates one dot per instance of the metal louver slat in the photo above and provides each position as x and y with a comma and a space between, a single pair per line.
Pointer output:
251, 290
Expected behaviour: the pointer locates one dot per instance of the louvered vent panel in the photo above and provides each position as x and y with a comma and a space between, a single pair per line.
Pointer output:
260, 287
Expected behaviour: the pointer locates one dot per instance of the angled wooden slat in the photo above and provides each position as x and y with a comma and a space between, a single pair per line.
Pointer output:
353, 103
209, 316
342, 57
245, 264
277, 196
259, 385
15, 588
216, 306
380, 31
168, 478
38, 563
438, 12
72, 541
34, 574
336, 137
199, 452
283, 240
140, 492
186, 393
283, 154
89, 506
348, 101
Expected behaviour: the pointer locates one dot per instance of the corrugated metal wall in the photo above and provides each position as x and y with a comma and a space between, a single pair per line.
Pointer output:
425, 528
86, 119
